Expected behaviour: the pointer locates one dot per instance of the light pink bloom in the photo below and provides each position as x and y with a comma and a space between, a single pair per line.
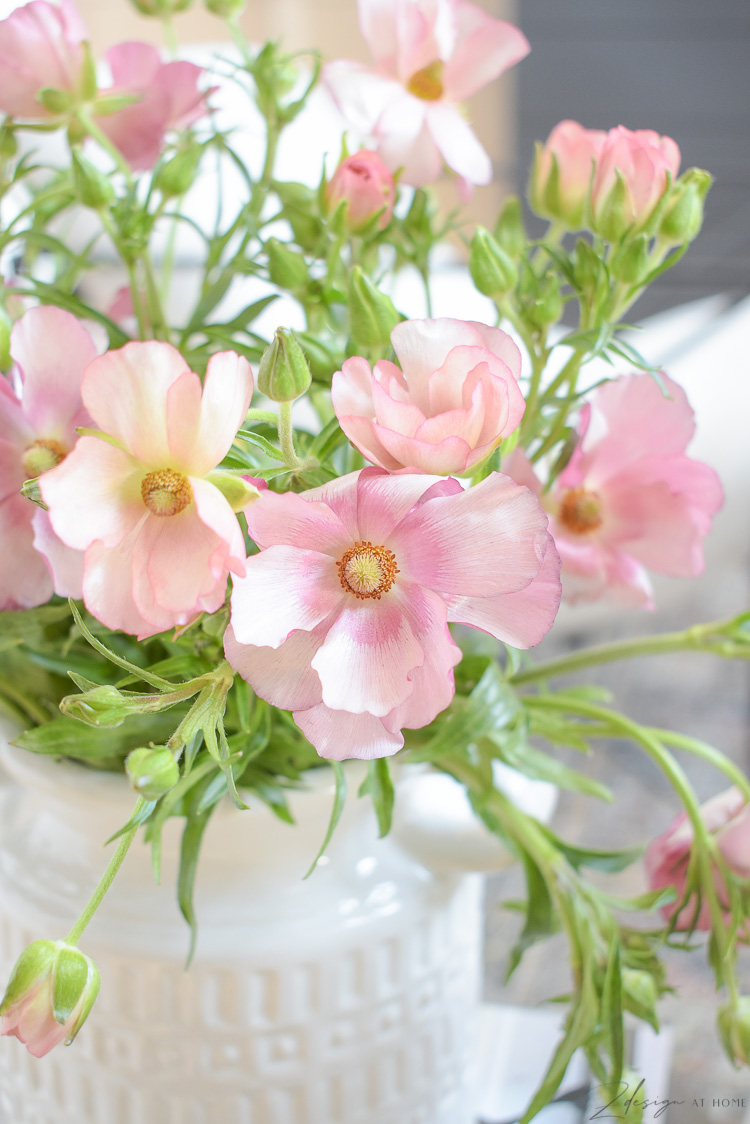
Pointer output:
40, 46
429, 55
455, 396
562, 196
170, 99
727, 817
629, 500
645, 162
367, 186
343, 615
38, 420
159, 537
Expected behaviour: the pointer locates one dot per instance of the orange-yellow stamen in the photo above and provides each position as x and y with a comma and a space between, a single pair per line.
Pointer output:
427, 83
580, 511
367, 571
42, 456
166, 492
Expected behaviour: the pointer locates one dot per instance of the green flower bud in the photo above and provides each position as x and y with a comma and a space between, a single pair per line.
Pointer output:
178, 174
93, 188
226, 9
284, 373
236, 490
160, 8
611, 217
510, 232
286, 267
589, 271
152, 772
734, 1030
492, 271
106, 707
683, 214
87, 84
59, 984
58, 102
548, 305
640, 994
371, 313
630, 262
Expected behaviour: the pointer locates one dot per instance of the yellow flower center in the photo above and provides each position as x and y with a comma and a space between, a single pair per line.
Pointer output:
580, 511
367, 571
166, 492
427, 83
42, 456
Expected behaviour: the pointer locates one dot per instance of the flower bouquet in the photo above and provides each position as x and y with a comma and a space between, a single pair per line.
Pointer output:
237, 553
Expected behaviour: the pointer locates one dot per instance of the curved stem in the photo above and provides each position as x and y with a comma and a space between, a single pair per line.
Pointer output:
286, 435
104, 142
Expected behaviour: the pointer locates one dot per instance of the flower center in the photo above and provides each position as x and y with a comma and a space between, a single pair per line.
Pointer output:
367, 571
427, 83
166, 492
580, 511
42, 456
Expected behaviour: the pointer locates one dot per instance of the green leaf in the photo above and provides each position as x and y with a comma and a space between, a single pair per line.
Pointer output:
490, 707
261, 443
339, 800
140, 672
540, 921
516, 751
379, 786
610, 862
192, 837
612, 1011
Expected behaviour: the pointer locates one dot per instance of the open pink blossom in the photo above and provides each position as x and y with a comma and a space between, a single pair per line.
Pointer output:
630, 500
159, 536
343, 615
429, 55
38, 419
644, 163
454, 398
40, 46
727, 817
367, 187
170, 98
562, 172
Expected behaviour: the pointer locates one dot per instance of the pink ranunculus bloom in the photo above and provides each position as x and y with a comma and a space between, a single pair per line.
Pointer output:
160, 537
429, 56
574, 150
630, 500
645, 162
39, 414
367, 186
343, 616
454, 398
727, 817
50, 994
170, 98
40, 46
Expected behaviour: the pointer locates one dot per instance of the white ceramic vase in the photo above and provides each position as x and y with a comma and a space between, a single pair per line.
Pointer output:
348, 998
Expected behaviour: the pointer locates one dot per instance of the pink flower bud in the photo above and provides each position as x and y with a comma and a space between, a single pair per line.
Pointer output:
368, 187
632, 173
51, 991
562, 172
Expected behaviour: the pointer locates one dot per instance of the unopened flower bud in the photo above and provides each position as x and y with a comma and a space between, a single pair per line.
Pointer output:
160, 8
510, 233
152, 772
683, 214
178, 174
238, 491
225, 9
612, 215
93, 188
630, 262
547, 307
284, 373
367, 187
640, 993
492, 270
372, 315
733, 1024
51, 991
286, 267
562, 171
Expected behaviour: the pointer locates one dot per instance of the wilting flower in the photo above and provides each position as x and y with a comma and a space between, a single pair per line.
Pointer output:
429, 55
727, 817
343, 615
159, 535
629, 500
40, 46
562, 173
169, 99
455, 396
51, 350
51, 991
632, 173
368, 188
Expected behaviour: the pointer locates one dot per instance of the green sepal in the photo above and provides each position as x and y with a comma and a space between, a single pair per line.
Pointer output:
372, 314
70, 978
234, 488
55, 101
492, 270
33, 965
610, 220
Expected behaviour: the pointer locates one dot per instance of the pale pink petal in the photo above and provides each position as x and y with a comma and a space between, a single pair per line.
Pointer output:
518, 466
12, 474
424, 35
522, 618
186, 102
360, 93
404, 141
65, 565
125, 392
450, 455
389, 412
422, 347
377, 21
282, 676
133, 64
52, 350
485, 48
433, 685
214, 512
365, 659
339, 735
14, 424
39, 46
361, 433
385, 499
202, 423
108, 588
458, 144
340, 495
284, 589
592, 570
351, 389
95, 493
288, 519
24, 579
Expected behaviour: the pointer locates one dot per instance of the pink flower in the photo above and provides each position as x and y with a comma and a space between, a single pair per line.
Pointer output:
368, 188
455, 397
40, 46
629, 500
159, 535
562, 172
170, 99
633, 170
51, 991
343, 615
727, 817
429, 55
51, 350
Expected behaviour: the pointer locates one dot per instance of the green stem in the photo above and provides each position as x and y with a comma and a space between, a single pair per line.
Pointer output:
425, 275
267, 416
104, 142
286, 435
170, 36
236, 32
106, 879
